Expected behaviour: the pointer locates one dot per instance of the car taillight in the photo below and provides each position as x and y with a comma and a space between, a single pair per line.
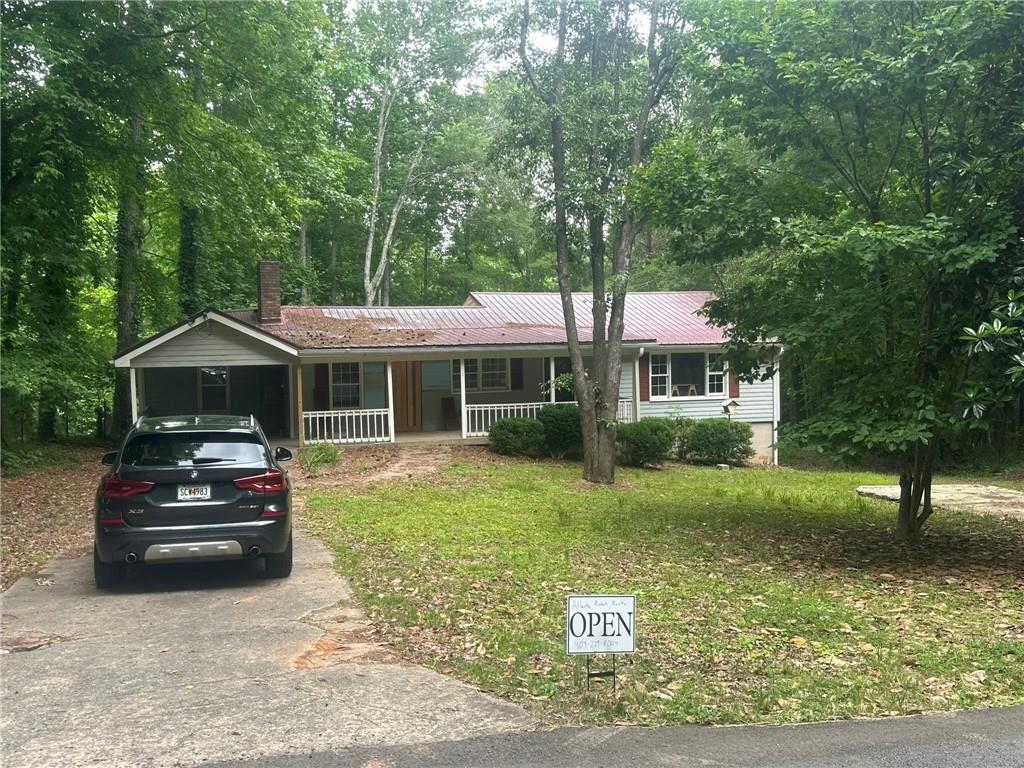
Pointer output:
114, 487
271, 481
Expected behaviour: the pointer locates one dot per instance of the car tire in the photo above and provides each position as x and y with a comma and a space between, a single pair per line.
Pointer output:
107, 575
279, 565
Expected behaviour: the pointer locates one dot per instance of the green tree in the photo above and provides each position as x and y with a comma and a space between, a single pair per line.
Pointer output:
907, 118
599, 92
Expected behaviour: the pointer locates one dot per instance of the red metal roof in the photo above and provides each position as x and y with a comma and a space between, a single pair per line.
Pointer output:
489, 319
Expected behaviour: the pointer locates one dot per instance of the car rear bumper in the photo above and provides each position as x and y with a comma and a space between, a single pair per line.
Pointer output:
192, 542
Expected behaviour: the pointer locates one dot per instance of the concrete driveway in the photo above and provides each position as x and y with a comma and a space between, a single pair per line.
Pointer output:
212, 662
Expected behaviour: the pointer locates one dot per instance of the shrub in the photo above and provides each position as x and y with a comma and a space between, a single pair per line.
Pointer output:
563, 429
714, 441
517, 437
646, 442
319, 455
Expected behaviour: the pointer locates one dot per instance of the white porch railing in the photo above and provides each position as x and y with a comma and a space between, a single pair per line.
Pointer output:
625, 412
358, 426
480, 417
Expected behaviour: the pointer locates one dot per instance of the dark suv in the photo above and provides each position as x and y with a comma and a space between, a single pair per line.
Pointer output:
193, 488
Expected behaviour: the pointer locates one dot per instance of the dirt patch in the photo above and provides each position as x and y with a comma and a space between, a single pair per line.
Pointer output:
46, 512
30, 641
347, 639
367, 465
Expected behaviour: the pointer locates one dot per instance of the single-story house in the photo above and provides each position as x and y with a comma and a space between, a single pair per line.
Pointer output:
381, 374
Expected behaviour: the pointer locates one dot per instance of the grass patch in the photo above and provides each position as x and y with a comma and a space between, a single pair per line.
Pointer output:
763, 595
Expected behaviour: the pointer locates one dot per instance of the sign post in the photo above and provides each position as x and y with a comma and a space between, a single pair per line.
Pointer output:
600, 624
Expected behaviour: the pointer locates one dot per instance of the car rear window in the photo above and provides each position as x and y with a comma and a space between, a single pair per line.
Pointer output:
176, 449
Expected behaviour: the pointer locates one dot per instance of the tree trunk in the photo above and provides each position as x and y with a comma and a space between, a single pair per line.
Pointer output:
426, 270
333, 271
304, 260
188, 260
47, 423
915, 505
129, 258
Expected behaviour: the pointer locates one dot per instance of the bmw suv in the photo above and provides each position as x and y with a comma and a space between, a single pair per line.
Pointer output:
193, 488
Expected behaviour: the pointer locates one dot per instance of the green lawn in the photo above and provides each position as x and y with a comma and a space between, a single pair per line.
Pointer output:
763, 595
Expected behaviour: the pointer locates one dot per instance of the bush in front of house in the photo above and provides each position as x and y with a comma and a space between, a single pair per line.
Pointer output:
714, 441
645, 443
517, 437
314, 457
563, 429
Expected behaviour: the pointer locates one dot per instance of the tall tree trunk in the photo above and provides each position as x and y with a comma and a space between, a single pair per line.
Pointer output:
129, 261
426, 271
385, 289
332, 268
304, 260
188, 260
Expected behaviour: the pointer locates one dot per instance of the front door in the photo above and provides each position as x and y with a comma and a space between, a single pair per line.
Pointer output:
408, 396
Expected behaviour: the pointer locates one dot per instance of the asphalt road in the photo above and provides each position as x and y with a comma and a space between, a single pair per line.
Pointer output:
981, 739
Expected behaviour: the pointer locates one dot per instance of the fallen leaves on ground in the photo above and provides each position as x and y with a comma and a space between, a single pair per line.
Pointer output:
764, 595
47, 511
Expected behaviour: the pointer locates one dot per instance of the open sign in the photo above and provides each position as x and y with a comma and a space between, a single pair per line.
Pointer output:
600, 624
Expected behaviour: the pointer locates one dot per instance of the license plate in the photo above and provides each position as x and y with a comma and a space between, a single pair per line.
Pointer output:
193, 492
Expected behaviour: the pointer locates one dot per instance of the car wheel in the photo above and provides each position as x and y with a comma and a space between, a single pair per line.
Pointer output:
107, 575
279, 565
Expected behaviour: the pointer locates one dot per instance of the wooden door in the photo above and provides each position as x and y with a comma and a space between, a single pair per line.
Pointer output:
408, 396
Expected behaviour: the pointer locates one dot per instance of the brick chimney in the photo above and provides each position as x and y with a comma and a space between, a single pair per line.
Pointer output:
268, 290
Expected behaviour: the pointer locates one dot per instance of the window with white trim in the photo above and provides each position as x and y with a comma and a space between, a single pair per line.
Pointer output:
346, 385
716, 374
213, 390
678, 375
483, 374
659, 376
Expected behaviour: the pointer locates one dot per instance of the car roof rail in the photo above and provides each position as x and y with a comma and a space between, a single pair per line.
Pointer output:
252, 421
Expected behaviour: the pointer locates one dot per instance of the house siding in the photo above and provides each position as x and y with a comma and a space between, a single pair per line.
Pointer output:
210, 343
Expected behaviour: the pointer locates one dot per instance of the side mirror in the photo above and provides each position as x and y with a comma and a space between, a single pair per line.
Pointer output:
282, 454
109, 458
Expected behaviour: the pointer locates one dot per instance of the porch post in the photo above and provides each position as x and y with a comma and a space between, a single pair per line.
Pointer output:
551, 378
133, 380
636, 387
391, 404
462, 386
298, 404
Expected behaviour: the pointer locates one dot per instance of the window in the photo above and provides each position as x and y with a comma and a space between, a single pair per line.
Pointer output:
486, 373
687, 374
213, 390
659, 375
494, 373
716, 374
346, 387
183, 449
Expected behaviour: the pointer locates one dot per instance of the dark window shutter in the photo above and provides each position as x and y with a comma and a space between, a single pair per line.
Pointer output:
322, 387
734, 385
516, 373
645, 377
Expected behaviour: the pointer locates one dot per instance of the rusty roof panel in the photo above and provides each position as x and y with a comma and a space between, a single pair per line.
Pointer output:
489, 319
